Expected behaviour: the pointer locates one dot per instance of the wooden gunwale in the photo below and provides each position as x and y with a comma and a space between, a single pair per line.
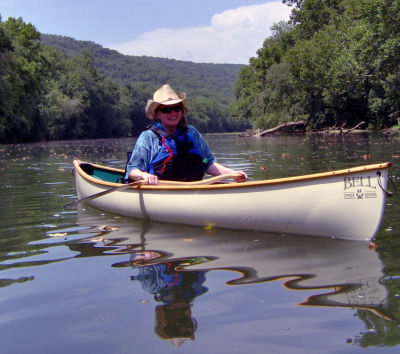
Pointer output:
193, 186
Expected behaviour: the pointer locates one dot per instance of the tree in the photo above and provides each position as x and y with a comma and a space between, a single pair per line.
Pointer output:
22, 74
341, 60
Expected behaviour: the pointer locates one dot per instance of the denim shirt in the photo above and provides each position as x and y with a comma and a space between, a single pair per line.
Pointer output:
148, 145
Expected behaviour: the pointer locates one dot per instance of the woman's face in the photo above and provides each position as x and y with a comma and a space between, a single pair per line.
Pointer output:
169, 116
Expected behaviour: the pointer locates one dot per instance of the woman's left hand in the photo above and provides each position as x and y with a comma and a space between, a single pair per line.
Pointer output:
241, 176
217, 169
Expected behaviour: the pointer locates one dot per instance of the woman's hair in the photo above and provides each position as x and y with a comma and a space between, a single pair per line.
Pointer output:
183, 123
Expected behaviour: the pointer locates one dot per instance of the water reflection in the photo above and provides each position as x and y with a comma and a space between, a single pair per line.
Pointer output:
174, 290
171, 262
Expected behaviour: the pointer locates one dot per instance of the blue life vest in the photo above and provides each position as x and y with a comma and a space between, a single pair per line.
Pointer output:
178, 159
162, 280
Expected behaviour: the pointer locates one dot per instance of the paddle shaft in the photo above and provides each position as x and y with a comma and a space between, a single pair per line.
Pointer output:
136, 183
93, 196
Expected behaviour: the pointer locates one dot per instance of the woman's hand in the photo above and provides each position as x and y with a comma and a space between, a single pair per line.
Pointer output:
241, 176
217, 169
137, 175
149, 179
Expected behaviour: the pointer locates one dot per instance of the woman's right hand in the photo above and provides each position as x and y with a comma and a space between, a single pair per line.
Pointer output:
137, 175
149, 178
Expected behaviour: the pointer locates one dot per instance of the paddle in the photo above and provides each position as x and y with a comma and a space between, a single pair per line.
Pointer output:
165, 183
93, 196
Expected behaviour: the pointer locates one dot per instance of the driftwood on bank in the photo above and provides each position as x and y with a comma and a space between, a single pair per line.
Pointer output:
351, 129
340, 130
295, 127
286, 127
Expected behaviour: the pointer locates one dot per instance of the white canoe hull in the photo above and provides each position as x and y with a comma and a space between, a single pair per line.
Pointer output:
343, 204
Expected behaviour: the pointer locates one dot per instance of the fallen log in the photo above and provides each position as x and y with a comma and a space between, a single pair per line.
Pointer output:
354, 128
342, 127
300, 124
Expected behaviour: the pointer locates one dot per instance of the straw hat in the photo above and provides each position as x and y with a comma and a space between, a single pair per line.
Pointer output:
165, 96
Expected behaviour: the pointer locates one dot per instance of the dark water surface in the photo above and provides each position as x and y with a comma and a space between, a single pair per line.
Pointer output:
81, 281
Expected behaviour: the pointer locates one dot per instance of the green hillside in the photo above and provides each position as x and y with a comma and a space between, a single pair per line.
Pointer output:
208, 80
55, 87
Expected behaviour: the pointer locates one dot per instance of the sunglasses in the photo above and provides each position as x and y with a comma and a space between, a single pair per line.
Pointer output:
167, 110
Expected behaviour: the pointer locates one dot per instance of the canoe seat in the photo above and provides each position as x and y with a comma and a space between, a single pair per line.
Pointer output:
101, 174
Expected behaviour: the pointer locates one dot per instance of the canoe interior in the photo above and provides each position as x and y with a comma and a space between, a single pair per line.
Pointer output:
113, 175
102, 173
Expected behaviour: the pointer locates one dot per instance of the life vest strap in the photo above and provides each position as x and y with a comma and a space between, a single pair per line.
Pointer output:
170, 154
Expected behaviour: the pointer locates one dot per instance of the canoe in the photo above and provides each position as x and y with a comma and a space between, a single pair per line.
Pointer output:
347, 204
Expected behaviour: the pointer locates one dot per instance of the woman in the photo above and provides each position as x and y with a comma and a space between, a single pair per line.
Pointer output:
171, 149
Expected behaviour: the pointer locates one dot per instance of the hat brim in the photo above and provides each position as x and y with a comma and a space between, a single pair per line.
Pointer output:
151, 105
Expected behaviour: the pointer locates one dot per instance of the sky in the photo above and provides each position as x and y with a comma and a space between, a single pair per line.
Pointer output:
202, 31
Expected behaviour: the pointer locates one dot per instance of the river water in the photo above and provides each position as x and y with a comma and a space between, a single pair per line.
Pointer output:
82, 281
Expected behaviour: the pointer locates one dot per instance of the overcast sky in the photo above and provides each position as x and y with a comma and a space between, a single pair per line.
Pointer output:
207, 31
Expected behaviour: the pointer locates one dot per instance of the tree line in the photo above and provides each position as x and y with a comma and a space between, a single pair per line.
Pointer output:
86, 91
335, 63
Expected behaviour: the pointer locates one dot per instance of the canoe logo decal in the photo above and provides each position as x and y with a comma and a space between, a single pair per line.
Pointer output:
359, 187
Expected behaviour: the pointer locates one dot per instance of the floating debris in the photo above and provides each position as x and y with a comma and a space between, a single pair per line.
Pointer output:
58, 234
108, 228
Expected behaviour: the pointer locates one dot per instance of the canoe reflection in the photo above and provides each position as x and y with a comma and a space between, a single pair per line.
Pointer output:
171, 262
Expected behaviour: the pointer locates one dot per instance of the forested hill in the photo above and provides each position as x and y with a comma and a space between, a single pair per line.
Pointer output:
54, 87
214, 81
